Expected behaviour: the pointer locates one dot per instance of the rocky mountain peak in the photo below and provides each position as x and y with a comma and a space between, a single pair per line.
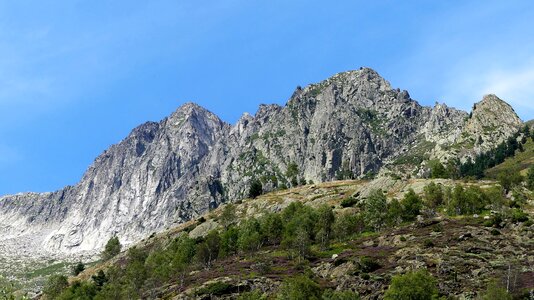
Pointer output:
191, 112
491, 122
491, 104
491, 111
364, 77
350, 125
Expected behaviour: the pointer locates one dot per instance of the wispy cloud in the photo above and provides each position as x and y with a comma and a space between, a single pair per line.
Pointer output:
475, 50
515, 86
466, 81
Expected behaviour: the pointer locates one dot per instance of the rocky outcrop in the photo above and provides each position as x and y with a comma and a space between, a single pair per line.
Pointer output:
350, 125
148, 181
458, 134
491, 122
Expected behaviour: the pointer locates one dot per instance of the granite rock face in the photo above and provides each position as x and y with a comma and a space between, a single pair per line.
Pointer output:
350, 125
147, 182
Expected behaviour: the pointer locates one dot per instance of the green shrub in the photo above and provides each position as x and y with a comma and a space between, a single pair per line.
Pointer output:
412, 285
348, 202
112, 291
465, 201
368, 264
100, 278
300, 228
215, 289
55, 285
518, 216
78, 291
292, 173
437, 170
9, 292
77, 269
135, 272
495, 291
509, 179
262, 267
494, 221
428, 243
299, 288
437, 228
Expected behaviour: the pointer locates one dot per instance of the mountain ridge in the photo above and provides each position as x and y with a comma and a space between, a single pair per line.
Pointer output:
167, 172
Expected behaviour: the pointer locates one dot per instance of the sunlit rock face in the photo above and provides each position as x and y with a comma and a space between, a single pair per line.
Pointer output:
165, 173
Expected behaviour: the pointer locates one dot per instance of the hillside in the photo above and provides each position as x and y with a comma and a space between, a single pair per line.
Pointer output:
353, 125
520, 162
463, 253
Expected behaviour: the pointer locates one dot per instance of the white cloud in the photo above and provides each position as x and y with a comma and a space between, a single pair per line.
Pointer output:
466, 84
471, 52
516, 86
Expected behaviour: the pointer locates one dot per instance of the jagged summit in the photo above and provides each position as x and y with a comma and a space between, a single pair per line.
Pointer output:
491, 97
364, 77
491, 111
191, 110
492, 104
190, 106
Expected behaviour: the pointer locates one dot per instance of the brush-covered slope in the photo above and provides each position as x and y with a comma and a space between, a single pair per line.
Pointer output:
520, 163
463, 253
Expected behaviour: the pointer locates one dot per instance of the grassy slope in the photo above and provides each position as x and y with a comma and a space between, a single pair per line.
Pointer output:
521, 161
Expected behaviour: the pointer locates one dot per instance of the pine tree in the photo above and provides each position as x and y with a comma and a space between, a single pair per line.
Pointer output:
326, 219
228, 216
433, 195
530, 178
113, 247
376, 210
256, 189
412, 205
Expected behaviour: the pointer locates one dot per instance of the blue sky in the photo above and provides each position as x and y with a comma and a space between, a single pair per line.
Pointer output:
77, 76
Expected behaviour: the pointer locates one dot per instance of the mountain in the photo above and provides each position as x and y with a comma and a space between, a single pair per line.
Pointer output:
351, 125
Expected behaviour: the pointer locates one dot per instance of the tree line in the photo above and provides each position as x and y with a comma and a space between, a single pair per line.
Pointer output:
475, 167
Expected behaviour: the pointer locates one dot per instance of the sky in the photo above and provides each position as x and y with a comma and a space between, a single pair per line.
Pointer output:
78, 76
